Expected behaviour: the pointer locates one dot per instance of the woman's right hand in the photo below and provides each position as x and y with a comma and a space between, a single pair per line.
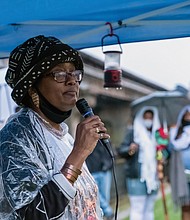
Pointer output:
88, 132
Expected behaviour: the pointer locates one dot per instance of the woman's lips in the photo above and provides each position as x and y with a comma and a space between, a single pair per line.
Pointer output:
70, 93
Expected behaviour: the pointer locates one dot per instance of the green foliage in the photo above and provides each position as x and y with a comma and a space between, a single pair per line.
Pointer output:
159, 210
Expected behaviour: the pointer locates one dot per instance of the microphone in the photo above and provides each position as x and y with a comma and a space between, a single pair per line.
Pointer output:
86, 111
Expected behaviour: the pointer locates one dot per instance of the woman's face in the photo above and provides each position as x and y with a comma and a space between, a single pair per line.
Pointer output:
187, 116
148, 115
148, 119
61, 95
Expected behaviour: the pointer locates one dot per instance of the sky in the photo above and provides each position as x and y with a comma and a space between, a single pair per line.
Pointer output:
163, 62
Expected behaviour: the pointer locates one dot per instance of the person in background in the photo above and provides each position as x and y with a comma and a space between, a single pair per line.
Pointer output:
180, 162
43, 174
100, 165
139, 150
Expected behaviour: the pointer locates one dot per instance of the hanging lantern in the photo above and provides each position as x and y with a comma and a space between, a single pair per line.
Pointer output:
112, 69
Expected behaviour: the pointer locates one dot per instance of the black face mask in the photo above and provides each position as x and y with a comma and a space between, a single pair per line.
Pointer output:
185, 123
51, 111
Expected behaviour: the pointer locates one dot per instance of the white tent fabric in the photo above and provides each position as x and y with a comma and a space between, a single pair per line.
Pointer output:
82, 24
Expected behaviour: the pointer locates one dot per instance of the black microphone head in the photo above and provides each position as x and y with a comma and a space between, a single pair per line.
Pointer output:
84, 108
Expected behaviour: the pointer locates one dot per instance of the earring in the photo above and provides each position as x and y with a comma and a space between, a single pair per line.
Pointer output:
35, 97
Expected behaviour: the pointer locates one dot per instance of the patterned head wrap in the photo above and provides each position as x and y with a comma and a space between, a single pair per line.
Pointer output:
34, 57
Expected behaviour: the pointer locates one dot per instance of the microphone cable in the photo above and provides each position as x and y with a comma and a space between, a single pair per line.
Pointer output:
109, 150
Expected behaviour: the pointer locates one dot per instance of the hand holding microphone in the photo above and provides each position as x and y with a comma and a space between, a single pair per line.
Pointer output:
88, 132
87, 112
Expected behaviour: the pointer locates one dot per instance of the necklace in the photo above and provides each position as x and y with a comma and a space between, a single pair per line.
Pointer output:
63, 129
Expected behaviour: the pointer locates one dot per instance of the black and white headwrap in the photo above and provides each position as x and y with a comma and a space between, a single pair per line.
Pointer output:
34, 57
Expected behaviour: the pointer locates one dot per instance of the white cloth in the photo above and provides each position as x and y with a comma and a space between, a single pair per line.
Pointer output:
184, 140
147, 147
142, 207
180, 159
86, 199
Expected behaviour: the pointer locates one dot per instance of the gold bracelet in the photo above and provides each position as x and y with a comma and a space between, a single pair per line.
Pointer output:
70, 177
73, 168
66, 170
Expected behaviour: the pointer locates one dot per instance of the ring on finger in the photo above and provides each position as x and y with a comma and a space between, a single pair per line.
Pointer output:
101, 135
97, 130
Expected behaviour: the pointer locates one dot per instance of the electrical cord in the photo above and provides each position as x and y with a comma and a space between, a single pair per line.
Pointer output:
108, 147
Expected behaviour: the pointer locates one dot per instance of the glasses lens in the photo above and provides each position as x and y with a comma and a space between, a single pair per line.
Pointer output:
77, 74
62, 76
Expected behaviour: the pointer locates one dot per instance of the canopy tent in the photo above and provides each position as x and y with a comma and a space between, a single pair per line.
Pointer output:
82, 24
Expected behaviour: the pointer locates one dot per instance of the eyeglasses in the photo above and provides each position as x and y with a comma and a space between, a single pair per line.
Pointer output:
62, 76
